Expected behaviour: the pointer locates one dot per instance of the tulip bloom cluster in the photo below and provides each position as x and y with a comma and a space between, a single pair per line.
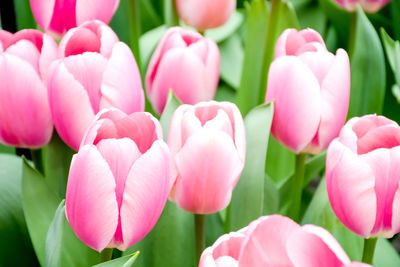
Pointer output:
370, 6
277, 241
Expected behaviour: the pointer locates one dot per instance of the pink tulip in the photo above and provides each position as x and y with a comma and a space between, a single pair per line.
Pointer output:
25, 119
363, 176
311, 90
205, 14
185, 62
96, 71
370, 6
58, 16
208, 147
118, 181
277, 241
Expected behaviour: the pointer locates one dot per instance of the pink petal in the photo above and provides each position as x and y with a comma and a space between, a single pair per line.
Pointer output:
387, 136
265, 242
71, 117
95, 9
43, 11
63, 17
48, 56
122, 86
33, 36
83, 40
5, 38
208, 167
91, 205
25, 119
26, 51
365, 124
88, 70
314, 246
146, 192
296, 93
350, 184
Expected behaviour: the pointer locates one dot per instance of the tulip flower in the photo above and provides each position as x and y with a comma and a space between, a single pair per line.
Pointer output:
185, 62
25, 119
208, 146
363, 175
58, 16
205, 14
311, 90
370, 6
118, 181
96, 71
287, 244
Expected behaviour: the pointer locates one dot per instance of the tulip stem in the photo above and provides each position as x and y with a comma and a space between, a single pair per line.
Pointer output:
200, 234
106, 254
297, 186
369, 249
227, 225
37, 159
135, 30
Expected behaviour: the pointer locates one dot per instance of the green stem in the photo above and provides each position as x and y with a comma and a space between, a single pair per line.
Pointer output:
227, 225
369, 249
106, 254
352, 33
297, 187
37, 159
170, 15
200, 234
135, 30
272, 31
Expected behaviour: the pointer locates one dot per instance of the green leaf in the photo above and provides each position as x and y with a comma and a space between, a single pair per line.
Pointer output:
271, 196
214, 228
395, 12
172, 104
225, 93
126, 261
368, 70
248, 196
392, 49
7, 149
54, 238
396, 92
24, 15
280, 161
231, 51
385, 254
14, 234
170, 243
221, 33
256, 32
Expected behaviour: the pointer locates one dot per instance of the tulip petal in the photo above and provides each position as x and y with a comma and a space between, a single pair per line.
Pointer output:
296, 93
26, 51
146, 192
91, 205
5, 39
121, 86
25, 119
63, 17
209, 166
43, 11
70, 106
48, 56
265, 244
387, 136
349, 179
95, 9
83, 40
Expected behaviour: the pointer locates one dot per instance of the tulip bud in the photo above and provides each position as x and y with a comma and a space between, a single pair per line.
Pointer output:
25, 119
288, 244
311, 90
119, 180
96, 71
185, 62
208, 146
58, 16
363, 175
370, 6
205, 14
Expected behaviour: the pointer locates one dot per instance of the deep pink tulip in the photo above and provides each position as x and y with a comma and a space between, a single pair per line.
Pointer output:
277, 241
185, 62
96, 71
370, 6
363, 175
208, 147
118, 181
205, 14
58, 16
25, 119
311, 90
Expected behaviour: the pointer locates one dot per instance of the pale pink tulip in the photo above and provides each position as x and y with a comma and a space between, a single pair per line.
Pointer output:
363, 176
208, 147
118, 181
205, 14
310, 88
96, 71
58, 16
185, 62
277, 241
25, 119
370, 6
